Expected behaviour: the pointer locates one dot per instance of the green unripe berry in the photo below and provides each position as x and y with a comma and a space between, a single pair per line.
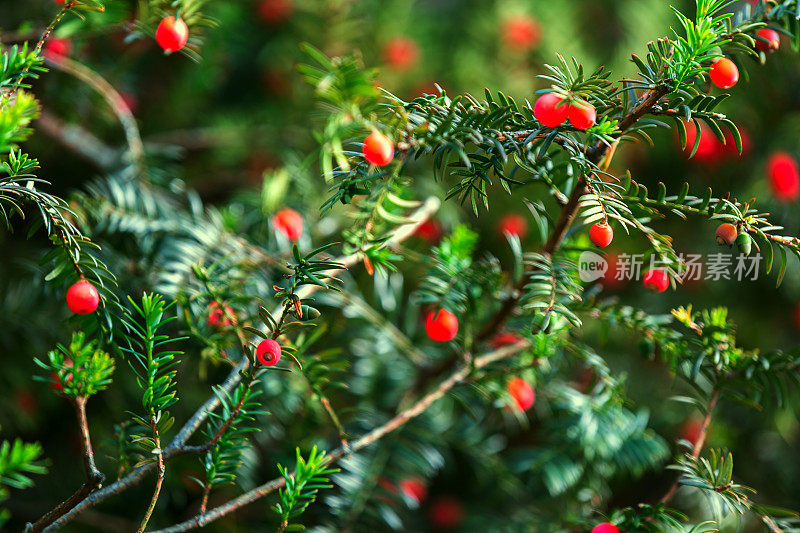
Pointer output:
744, 243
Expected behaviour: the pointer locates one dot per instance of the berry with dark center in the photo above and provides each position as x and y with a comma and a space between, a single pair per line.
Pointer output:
522, 393
551, 110
783, 173
441, 326
378, 149
656, 280
288, 223
767, 40
724, 73
601, 234
83, 298
268, 352
513, 224
219, 315
582, 115
172, 34
605, 527
726, 234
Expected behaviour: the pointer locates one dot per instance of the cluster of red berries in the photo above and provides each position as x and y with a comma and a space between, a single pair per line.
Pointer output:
288, 223
172, 34
219, 315
552, 110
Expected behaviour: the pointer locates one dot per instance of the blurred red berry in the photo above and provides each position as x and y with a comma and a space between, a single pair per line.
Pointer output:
582, 115
218, 315
430, 231
730, 144
446, 513
522, 393
415, 489
288, 223
601, 234
656, 280
691, 429
441, 326
521, 33
83, 298
784, 176
767, 40
26, 401
55, 48
504, 339
709, 149
551, 110
378, 149
275, 11
268, 352
724, 73
513, 224
172, 34
400, 53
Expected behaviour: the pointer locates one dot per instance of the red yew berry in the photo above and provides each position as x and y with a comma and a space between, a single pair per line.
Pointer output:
601, 234
429, 231
446, 513
691, 429
218, 315
288, 223
83, 298
55, 48
656, 280
551, 110
441, 326
521, 33
400, 53
605, 527
724, 73
172, 34
726, 234
415, 489
784, 176
767, 40
522, 393
268, 352
709, 150
504, 339
582, 115
513, 224
275, 11
378, 150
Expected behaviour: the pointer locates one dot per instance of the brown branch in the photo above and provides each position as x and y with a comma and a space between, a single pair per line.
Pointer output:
699, 443
160, 469
78, 140
370, 438
94, 478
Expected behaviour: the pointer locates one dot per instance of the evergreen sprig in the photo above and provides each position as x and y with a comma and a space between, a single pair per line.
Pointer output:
309, 477
18, 462
80, 369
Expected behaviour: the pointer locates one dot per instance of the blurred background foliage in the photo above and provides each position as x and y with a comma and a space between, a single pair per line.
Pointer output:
238, 127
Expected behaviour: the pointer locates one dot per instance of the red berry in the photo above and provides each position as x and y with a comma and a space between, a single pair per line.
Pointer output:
605, 527
415, 489
378, 149
83, 298
656, 280
726, 234
784, 176
400, 53
582, 115
218, 315
429, 231
522, 393
513, 224
692, 429
172, 34
504, 339
275, 11
268, 352
551, 110
709, 150
446, 513
288, 223
769, 40
724, 73
55, 48
601, 234
521, 33
441, 326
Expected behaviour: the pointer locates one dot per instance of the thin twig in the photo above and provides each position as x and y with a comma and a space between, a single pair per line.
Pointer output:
161, 470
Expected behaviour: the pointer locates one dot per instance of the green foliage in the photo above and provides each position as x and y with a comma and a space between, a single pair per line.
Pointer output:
78, 370
18, 462
552, 288
302, 485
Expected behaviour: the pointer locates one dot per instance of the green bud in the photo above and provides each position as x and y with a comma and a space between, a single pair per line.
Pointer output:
745, 243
